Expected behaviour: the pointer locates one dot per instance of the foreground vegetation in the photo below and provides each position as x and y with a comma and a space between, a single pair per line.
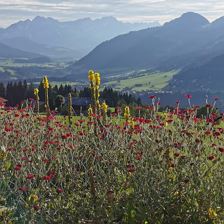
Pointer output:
145, 168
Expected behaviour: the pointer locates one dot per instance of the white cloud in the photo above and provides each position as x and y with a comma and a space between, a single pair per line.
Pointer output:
128, 10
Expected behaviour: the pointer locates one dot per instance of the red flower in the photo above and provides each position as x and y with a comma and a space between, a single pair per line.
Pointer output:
211, 157
216, 134
176, 154
169, 121
221, 149
131, 168
66, 136
138, 156
23, 189
152, 97
59, 190
47, 178
188, 96
138, 108
208, 106
18, 167
30, 176
8, 129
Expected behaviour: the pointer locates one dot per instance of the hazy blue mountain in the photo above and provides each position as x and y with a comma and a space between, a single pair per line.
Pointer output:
29, 45
9, 52
149, 48
73, 38
177, 44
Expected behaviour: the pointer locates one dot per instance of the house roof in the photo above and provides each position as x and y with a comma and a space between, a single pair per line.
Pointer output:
2, 100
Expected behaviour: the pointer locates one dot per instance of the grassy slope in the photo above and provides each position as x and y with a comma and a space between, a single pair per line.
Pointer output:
144, 82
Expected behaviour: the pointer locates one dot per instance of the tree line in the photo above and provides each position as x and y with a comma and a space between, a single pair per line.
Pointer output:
16, 92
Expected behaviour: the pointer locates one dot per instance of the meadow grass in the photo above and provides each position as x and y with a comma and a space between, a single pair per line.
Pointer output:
144, 82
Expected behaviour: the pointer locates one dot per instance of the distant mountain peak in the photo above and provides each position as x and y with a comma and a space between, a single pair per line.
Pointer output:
218, 22
192, 15
39, 19
188, 20
108, 18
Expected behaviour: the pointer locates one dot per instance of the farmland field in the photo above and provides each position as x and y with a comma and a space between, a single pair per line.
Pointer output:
12, 70
143, 82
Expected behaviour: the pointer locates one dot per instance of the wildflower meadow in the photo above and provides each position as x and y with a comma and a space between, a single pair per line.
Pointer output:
136, 165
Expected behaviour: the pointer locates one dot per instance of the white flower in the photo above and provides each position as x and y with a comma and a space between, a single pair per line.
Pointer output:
3, 148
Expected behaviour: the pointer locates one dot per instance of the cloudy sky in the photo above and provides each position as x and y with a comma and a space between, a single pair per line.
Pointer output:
126, 10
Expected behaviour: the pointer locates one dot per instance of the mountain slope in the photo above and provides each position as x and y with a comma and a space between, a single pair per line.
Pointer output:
206, 77
169, 46
25, 44
78, 36
9, 52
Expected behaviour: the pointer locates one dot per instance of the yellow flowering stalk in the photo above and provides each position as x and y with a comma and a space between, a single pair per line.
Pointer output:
94, 79
104, 108
36, 94
91, 76
127, 113
45, 82
97, 79
90, 113
46, 87
97, 92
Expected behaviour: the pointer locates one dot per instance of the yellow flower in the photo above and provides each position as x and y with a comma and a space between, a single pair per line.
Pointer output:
91, 76
34, 198
98, 104
90, 111
36, 91
46, 82
97, 78
127, 112
98, 94
104, 107
212, 213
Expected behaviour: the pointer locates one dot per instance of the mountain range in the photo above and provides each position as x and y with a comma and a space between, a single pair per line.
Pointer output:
189, 44
185, 43
70, 40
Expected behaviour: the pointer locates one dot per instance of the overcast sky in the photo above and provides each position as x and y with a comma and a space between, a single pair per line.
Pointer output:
126, 10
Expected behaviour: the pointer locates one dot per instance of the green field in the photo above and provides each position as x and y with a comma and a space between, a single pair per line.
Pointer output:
143, 82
